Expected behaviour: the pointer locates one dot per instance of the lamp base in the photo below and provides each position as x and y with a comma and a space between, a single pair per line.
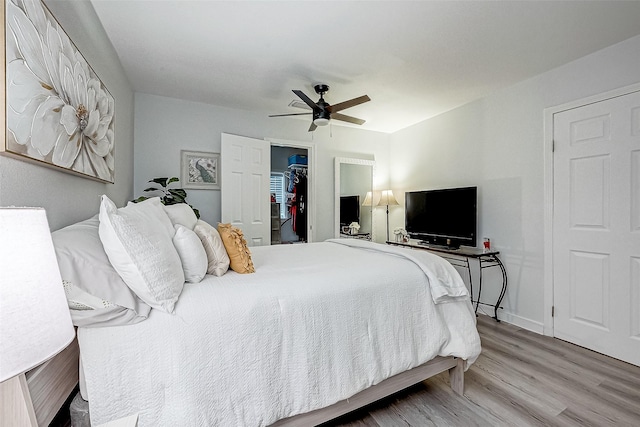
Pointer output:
16, 406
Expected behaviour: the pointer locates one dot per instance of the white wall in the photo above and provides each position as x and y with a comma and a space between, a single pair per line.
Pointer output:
164, 126
68, 198
496, 143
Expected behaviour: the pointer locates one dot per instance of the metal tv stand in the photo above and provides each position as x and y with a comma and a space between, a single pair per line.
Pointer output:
460, 257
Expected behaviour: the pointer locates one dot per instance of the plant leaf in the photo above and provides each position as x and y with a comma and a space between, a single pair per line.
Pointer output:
174, 179
152, 189
140, 199
178, 193
160, 181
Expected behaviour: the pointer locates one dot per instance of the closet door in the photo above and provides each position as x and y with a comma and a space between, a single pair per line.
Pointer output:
596, 228
246, 171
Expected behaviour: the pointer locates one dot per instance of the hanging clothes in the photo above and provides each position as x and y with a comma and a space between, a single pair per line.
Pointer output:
300, 220
292, 181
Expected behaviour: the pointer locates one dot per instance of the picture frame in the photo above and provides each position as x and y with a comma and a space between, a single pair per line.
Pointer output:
65, 123
200, 170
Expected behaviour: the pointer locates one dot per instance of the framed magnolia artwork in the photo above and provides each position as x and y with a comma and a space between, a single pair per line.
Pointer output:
58, 112
200, 170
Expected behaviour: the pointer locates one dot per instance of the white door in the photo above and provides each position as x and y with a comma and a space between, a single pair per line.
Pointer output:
596, 226
246, 170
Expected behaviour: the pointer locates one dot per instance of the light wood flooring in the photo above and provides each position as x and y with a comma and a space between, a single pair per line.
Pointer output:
520, 379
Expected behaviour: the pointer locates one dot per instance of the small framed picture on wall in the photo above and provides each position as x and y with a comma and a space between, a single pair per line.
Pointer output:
200, 170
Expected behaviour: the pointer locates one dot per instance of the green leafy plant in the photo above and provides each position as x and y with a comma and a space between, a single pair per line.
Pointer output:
168, 196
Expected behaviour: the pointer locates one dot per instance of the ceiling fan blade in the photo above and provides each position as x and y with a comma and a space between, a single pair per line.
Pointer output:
306, 99
348, 104
345, 118
291, 114
312, 127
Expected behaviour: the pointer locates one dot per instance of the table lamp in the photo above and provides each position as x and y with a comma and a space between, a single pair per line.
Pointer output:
35, 323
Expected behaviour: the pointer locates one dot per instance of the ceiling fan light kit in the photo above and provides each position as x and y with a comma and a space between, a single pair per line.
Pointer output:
322, 112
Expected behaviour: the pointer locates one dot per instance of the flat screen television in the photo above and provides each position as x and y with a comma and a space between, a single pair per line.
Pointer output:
445, 217
349, 210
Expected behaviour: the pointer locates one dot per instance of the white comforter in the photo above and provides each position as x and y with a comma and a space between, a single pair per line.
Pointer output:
315, 324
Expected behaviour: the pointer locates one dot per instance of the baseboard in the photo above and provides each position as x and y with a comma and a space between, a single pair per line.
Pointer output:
521, 322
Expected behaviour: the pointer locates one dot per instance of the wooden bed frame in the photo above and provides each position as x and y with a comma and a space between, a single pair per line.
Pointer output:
51, 384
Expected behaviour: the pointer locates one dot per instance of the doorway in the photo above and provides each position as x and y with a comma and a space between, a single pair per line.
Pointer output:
289, 195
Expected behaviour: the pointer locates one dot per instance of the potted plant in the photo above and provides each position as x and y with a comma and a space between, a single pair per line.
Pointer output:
168, 196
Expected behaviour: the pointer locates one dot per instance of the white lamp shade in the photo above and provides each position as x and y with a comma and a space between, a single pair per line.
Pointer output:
387, 199
368, 199
35, 323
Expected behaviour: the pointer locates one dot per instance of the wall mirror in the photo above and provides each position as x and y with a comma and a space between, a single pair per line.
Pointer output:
353, 182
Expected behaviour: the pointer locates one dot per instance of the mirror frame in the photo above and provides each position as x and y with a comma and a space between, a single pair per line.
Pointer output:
336, 215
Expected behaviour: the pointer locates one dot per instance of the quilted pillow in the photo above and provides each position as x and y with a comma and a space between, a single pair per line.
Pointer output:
96, 294
191, 252
217, 258
138, 242
182, 214
237, 249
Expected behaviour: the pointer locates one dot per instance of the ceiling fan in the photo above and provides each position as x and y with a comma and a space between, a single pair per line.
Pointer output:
323, 112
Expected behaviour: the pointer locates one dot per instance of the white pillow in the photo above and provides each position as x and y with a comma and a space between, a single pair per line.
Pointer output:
181, 213
192, 254
218, 259
91, 281
78, 299
140, 248
154, 208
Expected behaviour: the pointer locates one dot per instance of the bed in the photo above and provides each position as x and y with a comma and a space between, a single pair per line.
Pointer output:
318, 330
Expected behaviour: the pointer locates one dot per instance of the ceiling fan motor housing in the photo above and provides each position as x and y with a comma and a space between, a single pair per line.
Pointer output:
321, 88
321, 117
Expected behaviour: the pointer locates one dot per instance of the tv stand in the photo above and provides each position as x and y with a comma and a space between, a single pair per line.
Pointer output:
428, 245
459, 257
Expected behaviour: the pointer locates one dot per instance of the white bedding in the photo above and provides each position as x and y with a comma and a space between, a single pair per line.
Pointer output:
314, 325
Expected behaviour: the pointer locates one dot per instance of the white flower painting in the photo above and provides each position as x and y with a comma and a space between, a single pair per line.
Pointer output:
58, 110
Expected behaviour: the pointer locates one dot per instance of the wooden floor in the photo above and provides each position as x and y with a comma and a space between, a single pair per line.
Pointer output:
520, 379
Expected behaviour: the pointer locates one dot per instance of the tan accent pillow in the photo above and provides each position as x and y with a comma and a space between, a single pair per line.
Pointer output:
236, 246
217, 258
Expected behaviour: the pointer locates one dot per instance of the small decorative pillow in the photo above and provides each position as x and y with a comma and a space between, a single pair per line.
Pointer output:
192, 254
140, 248
218, 260
237, 249
181, 213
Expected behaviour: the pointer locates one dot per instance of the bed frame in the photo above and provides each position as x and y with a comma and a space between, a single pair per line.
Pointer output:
385, 388
51, 384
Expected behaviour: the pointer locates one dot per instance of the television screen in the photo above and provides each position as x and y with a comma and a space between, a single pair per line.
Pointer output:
349, 209
444, 217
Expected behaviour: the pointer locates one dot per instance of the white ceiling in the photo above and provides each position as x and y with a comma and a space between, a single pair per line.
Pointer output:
414, 59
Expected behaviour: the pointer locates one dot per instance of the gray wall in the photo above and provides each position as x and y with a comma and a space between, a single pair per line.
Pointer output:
496, 143
68, 198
